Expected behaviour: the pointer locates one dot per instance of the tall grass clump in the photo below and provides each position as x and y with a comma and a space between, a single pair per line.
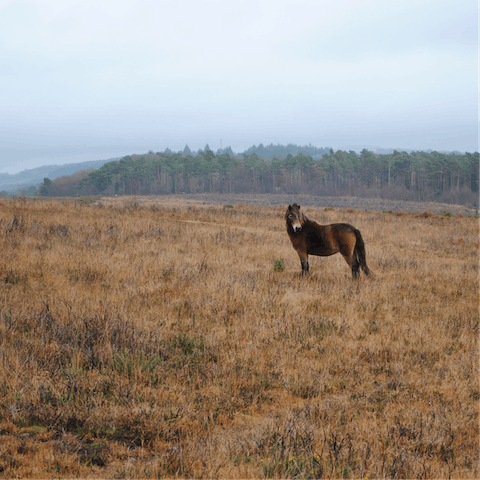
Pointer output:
279, 265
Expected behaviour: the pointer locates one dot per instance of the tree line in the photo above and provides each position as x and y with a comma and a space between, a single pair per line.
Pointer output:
400, 175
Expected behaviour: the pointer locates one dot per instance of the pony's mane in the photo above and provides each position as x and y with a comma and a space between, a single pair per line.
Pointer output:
301, 216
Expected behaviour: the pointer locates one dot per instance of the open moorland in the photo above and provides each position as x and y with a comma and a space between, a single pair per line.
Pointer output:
158, 339
282, 200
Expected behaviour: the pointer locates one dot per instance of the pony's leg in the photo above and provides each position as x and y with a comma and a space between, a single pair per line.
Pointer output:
353, 263
355, 268
305, 267
304, 261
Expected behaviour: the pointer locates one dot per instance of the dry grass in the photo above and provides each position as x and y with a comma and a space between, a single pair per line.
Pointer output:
161, 342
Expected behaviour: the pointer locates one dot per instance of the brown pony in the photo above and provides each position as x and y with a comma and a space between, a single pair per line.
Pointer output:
310, 238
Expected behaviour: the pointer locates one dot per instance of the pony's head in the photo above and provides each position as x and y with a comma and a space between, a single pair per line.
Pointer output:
294, 217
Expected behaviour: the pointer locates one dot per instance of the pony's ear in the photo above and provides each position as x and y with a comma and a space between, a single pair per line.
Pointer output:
296, 205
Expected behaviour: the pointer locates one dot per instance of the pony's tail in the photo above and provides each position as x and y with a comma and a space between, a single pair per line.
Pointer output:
359, 252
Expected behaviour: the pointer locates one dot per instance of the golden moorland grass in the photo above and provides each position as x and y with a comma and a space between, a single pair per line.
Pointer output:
181, 341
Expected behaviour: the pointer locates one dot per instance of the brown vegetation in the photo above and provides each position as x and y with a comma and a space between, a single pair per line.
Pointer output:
67, 184
167, 341
282, 200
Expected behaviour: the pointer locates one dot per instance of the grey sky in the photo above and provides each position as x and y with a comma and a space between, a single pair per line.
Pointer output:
84, 80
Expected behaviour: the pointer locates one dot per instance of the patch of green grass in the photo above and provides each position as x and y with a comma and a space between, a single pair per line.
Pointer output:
475, 394
88, 199
284, 466
305, 390
279, 265
128, 364
33, 429
14, 278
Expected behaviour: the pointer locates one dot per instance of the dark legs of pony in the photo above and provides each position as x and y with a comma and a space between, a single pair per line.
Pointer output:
353, 253
355, 264
355, 268
304, 261
305, 267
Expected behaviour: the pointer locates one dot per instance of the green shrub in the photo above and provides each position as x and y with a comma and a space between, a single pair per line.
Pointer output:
279, 265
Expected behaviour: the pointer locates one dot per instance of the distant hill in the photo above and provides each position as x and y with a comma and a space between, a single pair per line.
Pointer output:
26, 178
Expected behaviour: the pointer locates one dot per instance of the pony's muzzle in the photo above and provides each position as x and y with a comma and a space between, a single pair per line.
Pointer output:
296, 227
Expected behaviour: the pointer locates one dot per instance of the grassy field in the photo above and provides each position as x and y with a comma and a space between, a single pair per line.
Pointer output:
180, 341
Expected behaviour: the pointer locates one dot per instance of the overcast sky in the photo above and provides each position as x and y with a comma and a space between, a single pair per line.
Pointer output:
89, 80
